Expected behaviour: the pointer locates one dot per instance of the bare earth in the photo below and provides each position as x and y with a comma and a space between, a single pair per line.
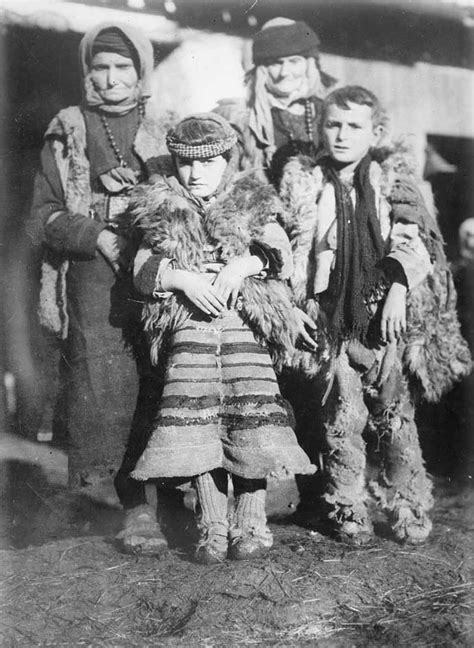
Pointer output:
63, 582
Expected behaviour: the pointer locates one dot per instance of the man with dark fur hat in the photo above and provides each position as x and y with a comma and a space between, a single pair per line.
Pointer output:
285, 88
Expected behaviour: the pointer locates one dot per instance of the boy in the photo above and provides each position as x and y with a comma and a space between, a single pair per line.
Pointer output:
369, 267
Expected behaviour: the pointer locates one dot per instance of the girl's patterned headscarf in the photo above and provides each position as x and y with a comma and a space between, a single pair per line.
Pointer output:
204, 136
201, 136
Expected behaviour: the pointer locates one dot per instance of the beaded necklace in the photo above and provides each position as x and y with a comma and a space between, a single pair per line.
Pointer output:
110, 136
309, 115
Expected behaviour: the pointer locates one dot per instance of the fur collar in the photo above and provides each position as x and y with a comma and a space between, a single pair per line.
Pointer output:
177, 225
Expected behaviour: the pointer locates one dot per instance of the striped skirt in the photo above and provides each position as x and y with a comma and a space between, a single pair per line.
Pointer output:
221, 407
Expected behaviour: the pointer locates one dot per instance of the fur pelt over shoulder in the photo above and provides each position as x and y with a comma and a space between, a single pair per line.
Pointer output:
435, 355
177, 226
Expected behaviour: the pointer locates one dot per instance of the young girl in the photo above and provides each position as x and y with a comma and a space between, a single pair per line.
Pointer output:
211, 264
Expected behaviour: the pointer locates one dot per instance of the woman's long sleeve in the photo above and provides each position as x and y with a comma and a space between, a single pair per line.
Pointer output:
67, 233
148, 266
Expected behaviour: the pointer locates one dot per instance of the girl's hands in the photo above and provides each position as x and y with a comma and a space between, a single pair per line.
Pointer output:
394, 318
198, 289
229, 280
304, 323
209, 293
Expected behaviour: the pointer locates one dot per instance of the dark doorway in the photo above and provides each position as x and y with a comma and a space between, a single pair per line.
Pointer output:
447, 428
453, 192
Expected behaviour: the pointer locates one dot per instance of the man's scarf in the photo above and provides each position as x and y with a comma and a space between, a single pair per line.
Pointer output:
360, 248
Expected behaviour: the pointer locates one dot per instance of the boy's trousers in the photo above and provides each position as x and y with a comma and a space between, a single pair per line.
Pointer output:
370, 394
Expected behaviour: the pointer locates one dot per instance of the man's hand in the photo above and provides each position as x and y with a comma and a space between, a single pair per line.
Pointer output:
304, 323
229, 280
111, 246
394, 318
198, 289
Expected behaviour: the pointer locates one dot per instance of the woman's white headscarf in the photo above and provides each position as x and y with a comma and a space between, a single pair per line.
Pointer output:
144, 50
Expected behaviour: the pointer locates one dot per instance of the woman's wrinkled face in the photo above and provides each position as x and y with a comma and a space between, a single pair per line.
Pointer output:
287, 74
114, 77
202, 176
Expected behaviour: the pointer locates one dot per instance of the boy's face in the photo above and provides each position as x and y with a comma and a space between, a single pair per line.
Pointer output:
349, 133
201, 177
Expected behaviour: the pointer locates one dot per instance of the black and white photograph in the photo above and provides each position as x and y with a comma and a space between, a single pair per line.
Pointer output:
237, 323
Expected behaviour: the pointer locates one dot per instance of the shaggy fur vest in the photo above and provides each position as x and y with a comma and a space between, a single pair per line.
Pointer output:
177, 226
435, 354
68, 133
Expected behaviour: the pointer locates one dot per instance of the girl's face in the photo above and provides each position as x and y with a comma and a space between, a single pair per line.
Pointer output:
201, 177
287, 75
114, 77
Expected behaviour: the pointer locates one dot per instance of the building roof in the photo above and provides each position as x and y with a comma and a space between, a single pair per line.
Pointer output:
440, 32
431, 31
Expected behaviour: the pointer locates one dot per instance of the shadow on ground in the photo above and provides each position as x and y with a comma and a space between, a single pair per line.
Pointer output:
60, 563
33, 511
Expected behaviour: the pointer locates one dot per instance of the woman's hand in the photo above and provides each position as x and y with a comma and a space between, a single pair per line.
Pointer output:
198, 289
111, 246
394, 318
229, 280
304, 323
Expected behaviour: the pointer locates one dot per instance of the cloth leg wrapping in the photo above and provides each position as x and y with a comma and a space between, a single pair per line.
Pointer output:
250, 496
211, 488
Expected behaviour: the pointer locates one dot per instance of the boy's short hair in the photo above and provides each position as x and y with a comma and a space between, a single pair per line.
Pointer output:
201, 136
341, 97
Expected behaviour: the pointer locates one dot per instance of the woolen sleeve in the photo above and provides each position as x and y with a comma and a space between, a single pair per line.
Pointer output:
64, 232
407, 248
274, 247
409, 218
148, 267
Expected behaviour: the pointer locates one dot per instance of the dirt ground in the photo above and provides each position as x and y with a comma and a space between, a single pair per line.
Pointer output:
63, 582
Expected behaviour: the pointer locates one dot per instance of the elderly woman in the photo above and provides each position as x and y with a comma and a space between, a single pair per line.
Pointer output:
93, 155
285, 88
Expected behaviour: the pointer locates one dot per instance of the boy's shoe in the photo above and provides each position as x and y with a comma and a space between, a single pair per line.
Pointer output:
249, 542
356, 533
410, 527
141, 534
353, 525
212, 546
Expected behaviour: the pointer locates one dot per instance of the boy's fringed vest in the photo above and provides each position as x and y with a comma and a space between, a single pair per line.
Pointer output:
177, 227
435, 354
